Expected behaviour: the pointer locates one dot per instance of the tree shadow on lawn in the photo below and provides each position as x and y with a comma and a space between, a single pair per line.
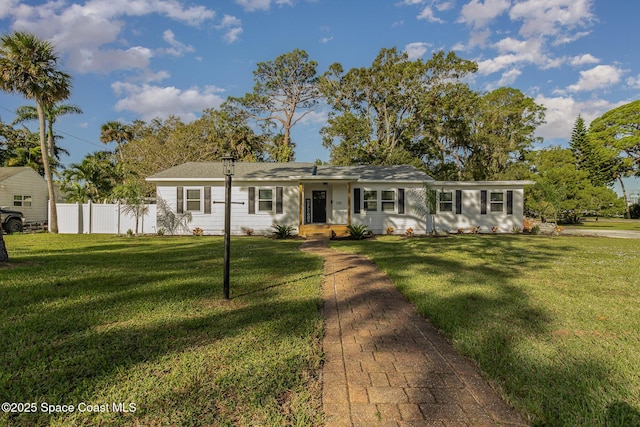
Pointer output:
490, 319
76, 336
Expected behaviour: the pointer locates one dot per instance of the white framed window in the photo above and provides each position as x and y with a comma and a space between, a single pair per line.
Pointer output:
265, 199
388, 200
445, 201
496, 200
21, 201
370, 200
193, 199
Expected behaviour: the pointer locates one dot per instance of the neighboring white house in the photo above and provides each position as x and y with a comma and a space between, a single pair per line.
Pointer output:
23, 189
313, 198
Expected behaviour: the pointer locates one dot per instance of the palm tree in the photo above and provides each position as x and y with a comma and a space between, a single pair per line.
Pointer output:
28, 66
29, 112
118, 132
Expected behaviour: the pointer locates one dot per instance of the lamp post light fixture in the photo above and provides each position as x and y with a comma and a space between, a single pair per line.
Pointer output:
227, 170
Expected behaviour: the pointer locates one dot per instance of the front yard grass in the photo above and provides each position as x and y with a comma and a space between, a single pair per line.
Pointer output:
553, 321
111, 321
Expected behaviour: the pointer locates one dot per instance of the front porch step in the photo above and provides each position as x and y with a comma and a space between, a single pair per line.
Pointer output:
323, 230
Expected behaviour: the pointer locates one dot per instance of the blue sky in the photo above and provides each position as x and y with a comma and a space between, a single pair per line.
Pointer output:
140, 59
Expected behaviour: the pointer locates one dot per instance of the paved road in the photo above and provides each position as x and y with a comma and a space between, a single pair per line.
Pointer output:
598, 232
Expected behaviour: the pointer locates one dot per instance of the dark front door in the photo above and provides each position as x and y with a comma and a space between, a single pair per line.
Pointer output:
319, 206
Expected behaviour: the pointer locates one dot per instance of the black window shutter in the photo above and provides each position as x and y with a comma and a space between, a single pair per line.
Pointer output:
278, 200
458, 202
483, 202
400, 200
509, 202
180, 198
356, 200
207, 200
252, 200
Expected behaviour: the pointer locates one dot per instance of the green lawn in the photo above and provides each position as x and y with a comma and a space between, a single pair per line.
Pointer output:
104, 320
553, 321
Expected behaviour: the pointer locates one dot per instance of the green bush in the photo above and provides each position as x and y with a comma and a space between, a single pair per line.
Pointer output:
282, 231
358, 231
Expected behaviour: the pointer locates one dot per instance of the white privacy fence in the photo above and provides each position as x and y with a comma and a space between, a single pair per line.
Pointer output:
93, 218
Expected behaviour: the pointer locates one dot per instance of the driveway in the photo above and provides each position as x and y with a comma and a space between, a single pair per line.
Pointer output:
598, 232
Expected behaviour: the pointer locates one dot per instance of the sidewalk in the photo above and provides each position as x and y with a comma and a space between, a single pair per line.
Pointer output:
386, 365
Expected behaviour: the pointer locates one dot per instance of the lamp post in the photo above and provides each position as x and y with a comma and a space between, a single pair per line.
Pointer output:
227, 169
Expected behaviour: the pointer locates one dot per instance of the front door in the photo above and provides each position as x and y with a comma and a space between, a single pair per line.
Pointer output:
319, 206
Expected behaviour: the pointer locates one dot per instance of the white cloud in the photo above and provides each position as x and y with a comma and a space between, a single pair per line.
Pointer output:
599, 77
416, 50
509, 77
151, 101
562, 112
325, 40
82, 31
551, 17
105, 61
427, 14
634, 82
177, 48
232, 27
587, 58
478, 14
253, 5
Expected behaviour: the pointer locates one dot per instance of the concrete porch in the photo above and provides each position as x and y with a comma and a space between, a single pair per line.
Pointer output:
323, 230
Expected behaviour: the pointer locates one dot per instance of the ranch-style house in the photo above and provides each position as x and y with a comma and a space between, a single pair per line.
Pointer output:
314, 198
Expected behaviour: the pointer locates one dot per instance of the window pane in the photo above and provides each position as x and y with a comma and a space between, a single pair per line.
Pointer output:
193, 205
265, 205
496, 207
446, 207
388, 206
446, 196
371, 195
26, 201
388, 195
193, 194
265, 194
17, 200
497, 197
370, 206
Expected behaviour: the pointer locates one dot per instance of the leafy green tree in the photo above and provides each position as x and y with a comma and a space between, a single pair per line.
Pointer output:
28, 65
564, 193
132, 196
616, 138
29, 112
285, 91
116, 132
92, 179
579, 143
384, 114
161, 144
503, 131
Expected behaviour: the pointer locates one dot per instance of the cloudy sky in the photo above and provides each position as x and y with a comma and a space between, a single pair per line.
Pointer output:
140, 59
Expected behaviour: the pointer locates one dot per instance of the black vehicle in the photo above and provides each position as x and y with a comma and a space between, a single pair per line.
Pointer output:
11, 221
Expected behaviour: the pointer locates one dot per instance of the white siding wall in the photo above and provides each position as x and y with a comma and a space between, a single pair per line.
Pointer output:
241, 220
378, 221
26, 183
471, 215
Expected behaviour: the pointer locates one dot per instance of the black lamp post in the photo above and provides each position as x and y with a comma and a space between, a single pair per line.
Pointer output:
227, 169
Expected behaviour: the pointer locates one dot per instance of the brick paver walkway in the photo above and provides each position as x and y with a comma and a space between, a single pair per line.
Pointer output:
386, 365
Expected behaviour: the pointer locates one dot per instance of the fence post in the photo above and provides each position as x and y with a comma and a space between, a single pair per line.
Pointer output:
90, 216
119, 214
80, 219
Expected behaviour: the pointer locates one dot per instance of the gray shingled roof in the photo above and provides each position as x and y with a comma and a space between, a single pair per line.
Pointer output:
247, 171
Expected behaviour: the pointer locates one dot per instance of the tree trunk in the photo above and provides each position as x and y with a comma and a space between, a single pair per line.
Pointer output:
624, 197
53, 212
4, 255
